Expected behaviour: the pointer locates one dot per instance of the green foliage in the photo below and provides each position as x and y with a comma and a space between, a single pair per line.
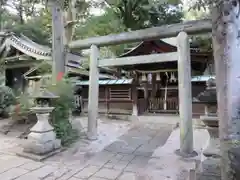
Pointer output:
196, 11
205, 4
204, 42
22, 109
61, 114
7, 98
45, 68
162, 14
138, 14
105, 24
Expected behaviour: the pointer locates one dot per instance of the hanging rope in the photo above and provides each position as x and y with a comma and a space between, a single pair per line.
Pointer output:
156, 71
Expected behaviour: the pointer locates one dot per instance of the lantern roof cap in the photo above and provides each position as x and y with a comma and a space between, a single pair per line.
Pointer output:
43, 93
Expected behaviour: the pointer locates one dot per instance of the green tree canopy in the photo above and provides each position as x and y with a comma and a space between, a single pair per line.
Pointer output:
138, 14
104, 24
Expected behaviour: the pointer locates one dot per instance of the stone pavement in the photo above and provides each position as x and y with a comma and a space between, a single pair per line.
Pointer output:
123, 158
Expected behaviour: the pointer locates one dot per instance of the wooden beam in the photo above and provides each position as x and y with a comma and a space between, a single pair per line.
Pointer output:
5, 34
20, 65
190, 27
145, 59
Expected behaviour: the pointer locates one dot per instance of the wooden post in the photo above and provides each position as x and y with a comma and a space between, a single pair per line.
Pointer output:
134, 100
192, 174
154, 88
106, 99
93, 93
185, 96
58, 54
145, 86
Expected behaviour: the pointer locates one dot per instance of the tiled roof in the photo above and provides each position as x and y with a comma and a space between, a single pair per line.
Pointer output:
107, 82
29, 46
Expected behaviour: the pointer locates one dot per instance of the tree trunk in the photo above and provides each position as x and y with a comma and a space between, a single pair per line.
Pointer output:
70, 17
226, 43
21, 12
58, 42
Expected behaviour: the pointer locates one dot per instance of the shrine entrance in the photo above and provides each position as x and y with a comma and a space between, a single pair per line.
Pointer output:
165, 101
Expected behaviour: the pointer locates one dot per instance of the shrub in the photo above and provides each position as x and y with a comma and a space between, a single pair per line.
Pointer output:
22, 108
60, 118
7, 98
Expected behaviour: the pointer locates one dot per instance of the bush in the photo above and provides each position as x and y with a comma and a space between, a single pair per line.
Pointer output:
60, 118
7, 98
22, 108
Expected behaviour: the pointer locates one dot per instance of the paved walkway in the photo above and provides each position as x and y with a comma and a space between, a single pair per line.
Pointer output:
122, 158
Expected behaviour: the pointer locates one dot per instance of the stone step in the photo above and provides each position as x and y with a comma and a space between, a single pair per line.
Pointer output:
209, 169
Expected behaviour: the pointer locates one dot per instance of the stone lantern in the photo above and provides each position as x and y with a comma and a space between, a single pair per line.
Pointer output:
41, 141
209, 99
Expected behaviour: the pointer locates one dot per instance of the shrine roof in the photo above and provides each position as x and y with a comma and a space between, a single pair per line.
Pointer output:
32, 49
107, 82
199, 59
159, 46
40, 52
203, 78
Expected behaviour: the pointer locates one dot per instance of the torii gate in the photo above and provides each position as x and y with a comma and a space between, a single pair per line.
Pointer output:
184, 70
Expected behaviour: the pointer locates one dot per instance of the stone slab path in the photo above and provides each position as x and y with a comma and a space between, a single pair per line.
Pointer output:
122, 159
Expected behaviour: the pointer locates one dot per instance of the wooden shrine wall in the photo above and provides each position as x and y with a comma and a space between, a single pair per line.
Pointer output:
117, 99
113, 99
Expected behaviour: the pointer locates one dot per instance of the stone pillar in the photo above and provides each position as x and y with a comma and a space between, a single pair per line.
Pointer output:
185, 96
93, 93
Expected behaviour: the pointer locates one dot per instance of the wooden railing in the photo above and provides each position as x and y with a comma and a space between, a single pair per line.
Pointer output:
157, 105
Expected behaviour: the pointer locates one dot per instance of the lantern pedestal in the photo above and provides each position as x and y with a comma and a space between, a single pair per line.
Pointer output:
213, 149
41, 142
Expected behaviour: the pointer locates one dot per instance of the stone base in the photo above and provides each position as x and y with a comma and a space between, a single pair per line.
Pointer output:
36, 157
210, 121
92, 137
209, 169
41, 148
213, 149
179, 153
